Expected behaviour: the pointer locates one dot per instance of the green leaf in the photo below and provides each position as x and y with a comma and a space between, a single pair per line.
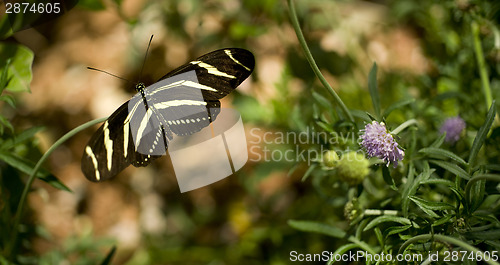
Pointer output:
54, 182
9, 99
19, 70
397, 105
4, 78
19, 163
439, 141
386, 218
6, 123
430, 213
412, 185
477, 194
491, 234
5, 28
443, 220
397, 229
360, 115
27, 166
316, 227
429, 207
322, 100
435, 206
379, 235
445, 182
453, 168
373, 87
325, 126
21, 138
441, 154
493, 167
108, 258
481, 134
309, 171
388, 178
341, 250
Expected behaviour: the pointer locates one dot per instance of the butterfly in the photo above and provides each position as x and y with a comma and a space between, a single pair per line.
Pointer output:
182, 102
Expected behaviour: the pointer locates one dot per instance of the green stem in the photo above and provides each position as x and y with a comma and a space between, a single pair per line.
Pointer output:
403, 126
310, 59
483, 72
442, 238
22, 201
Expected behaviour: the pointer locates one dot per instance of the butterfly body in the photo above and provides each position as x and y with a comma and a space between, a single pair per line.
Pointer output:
182, 102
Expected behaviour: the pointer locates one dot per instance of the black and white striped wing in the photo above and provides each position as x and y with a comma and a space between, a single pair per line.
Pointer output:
111, 149
218, 73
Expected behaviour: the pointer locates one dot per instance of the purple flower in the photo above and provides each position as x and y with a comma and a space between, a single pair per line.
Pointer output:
378, 142
453, 128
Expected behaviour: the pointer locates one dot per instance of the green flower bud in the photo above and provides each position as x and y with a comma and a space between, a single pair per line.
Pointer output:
330, 158
352, 168
352, 210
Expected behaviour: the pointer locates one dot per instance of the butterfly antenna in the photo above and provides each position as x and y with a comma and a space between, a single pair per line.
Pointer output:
146, 56
102, 71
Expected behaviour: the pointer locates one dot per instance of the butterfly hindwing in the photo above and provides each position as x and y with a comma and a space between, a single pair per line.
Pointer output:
111, 149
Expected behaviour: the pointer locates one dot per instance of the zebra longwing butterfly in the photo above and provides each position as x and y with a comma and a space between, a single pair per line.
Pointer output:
112, 147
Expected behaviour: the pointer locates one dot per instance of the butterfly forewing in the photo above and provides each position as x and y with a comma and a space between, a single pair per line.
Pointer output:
112, 147
223, 70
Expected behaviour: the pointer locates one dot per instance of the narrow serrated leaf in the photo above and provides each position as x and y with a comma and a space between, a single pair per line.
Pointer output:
386, 218
477, 195
453, 168
373, 88
397, 229
409, 189
316, 227
442, 154
443, 220
435, 206
481, 134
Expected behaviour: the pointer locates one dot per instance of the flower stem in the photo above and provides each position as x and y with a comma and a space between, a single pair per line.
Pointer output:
310, 59
483, 72
403, 126
22, 201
